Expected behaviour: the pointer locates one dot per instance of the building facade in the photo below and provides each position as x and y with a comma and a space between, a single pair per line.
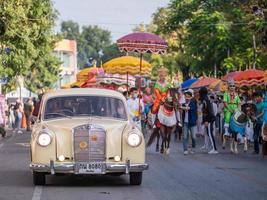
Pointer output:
66, 51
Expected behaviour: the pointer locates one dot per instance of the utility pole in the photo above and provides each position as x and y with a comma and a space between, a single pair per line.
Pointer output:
215, 70
254, 52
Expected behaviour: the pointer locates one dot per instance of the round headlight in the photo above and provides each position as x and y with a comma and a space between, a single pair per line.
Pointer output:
134, 139
117, 158
44, 139
61, 158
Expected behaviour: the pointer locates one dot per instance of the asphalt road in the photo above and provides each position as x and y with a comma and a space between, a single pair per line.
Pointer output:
197, 176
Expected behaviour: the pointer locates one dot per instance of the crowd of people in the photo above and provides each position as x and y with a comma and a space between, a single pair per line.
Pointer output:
231, 116
219, 117
18, 115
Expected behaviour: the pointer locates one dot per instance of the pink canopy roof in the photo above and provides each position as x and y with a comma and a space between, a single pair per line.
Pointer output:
142, 43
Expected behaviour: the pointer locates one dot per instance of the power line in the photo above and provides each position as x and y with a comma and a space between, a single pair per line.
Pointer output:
105, 23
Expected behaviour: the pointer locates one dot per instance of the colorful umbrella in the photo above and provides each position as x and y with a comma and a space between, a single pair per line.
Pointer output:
127, 64
251, 77
218, 86
142, 43
116, 79
186, 84
230, 75
265, 77
203, 82
83, 74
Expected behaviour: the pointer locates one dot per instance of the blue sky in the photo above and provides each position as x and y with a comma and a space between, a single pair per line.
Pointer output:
117, 16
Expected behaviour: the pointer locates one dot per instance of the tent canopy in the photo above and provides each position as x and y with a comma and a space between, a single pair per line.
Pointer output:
25, 93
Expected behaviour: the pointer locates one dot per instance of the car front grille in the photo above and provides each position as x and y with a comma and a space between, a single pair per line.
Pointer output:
89, 143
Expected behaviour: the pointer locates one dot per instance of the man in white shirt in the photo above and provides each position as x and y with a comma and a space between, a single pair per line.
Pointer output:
133, 105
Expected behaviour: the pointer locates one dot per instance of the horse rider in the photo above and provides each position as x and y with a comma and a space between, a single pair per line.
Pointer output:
161, 91
231, 102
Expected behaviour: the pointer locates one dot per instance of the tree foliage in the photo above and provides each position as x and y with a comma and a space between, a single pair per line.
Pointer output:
93, 43
203, 34
28, 26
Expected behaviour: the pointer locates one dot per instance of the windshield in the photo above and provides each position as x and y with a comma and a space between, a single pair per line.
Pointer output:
75, 106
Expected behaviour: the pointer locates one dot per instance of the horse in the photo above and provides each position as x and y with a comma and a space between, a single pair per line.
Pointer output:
238, 124
165, 122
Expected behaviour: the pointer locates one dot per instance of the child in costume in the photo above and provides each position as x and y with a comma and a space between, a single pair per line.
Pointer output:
231, 103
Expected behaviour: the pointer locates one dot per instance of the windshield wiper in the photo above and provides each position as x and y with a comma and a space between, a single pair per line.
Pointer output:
60, 114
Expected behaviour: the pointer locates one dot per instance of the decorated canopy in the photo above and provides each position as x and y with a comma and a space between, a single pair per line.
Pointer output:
86, 77
117, 79
142, 43
248, 78
251, 77
230, 75
203, 82
83, 74
218, 86
127, 64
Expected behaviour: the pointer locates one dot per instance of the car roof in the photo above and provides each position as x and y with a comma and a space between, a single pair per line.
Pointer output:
83, 91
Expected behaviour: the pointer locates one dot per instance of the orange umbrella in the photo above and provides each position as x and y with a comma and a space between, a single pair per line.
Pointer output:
251, 77
204, 82
230, 75
250, 74
265, 77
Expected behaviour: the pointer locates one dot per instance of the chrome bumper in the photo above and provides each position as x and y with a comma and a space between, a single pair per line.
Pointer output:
54, 168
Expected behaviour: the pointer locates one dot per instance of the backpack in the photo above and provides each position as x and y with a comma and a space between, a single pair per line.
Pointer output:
212, 114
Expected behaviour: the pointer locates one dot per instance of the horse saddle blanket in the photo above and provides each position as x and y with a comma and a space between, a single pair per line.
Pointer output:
167, 119
238, 122
264, 132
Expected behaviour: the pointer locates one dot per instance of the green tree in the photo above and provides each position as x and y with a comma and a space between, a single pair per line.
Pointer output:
28, 34
70, 30
216, 33
176, 59
93, 43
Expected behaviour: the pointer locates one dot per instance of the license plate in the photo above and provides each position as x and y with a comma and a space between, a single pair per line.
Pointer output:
90, 168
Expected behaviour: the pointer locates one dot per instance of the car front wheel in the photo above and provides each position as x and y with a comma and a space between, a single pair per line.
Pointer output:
136, 178
38, 178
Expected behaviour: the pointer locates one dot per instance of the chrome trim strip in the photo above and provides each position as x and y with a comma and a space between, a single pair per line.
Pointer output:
70, 168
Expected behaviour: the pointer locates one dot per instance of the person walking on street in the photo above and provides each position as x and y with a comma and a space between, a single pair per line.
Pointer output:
28, 109
208, 118
37, 106
2, 115
18, 111
258, 121
189, 120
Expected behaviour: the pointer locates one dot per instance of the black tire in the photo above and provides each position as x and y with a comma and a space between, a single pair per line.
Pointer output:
38, 178
136, 178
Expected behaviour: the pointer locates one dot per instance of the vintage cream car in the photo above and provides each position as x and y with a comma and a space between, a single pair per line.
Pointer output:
86, 131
